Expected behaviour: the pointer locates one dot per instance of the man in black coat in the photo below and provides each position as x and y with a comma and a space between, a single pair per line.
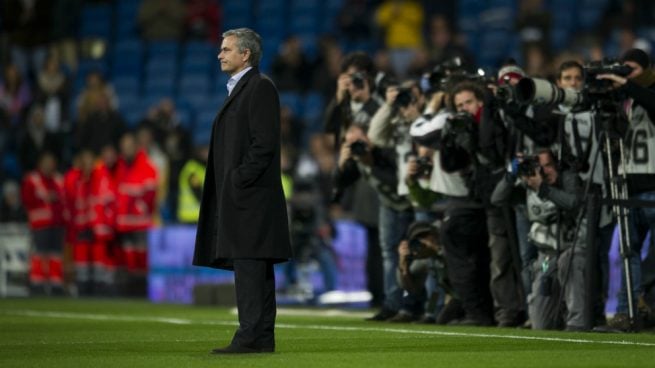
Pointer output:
243, 222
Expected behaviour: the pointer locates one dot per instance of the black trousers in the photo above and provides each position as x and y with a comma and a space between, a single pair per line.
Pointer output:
254, 281
465, 237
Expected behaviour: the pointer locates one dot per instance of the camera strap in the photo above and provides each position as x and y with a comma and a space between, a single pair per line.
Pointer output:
583, 156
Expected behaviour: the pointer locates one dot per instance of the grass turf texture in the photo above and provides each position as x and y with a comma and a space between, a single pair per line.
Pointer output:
115, 333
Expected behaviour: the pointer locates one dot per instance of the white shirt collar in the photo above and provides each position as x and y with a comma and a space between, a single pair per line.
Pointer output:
232, 82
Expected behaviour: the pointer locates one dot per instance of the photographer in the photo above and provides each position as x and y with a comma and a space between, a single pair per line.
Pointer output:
476, 138
639, 165
390, 124
353, 102
377, 166
552, 200
518, 143
421, 257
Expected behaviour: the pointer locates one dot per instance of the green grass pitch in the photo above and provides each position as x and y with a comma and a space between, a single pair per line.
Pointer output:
117, 333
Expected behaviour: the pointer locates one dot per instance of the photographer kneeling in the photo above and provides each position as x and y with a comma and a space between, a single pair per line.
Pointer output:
552, 200
420, 257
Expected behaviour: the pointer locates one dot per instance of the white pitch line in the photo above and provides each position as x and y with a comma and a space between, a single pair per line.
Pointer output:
181, 321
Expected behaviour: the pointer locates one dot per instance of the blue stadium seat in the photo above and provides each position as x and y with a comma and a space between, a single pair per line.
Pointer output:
126, 85
304, 24
293, 101
159, 86
126, 27
313, 108
333, 5
202, 129
133, 117
97, 12
88, 65
559, 38
238, 21
161, 67
221, 81
194, 83
309, 44
128, 7
186, 117
197, 64
271, 7
163, 49
588, 17
11, 166
127, 58
99, 29
199, 48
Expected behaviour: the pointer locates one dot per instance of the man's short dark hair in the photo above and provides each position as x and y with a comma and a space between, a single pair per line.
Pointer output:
568, 64
361, 61
467, 86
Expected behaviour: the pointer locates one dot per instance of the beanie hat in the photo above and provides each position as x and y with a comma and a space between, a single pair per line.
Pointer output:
638, 56
418, 228
510, 71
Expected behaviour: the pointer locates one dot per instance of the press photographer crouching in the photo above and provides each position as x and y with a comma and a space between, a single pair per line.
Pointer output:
639, 165
421, 257
553, 197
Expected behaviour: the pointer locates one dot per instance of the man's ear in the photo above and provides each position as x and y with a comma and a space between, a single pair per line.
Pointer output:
246, 55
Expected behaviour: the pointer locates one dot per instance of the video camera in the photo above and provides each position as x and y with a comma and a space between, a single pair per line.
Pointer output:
592, 69
542, 92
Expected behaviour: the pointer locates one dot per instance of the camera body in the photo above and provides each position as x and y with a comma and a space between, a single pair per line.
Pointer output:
423, 166
595, 86
404, 98
506, 94
528, 166
358, 80
359, 148
415, 246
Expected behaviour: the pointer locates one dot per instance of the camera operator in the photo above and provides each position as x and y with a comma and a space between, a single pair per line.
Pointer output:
552, 199
353, 102
486, 155
639, 166
421, 257
377, 166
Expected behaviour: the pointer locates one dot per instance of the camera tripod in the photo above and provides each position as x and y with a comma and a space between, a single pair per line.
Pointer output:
609, 115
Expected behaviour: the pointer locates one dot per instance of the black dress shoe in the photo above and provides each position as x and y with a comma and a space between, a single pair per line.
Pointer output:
236, 349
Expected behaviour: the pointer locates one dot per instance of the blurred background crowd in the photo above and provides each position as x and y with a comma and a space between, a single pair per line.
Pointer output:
106, 109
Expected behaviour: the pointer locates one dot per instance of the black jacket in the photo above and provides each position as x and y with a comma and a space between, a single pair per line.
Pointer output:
243, 211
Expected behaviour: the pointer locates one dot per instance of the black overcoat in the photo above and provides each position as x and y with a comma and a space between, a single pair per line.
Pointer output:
243, 211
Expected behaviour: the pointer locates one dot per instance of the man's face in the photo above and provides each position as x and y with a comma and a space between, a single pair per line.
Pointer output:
571, 78
410, 112
466, 101
636, 69
231, 59
128, 146
48, 165
548, 166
